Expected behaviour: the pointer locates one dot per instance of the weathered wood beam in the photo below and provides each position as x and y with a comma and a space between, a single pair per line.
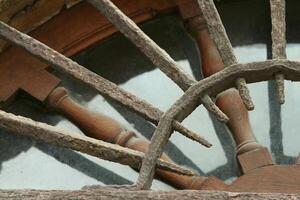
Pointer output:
100, 84
157, 55
278, 41
218, 34
52, 135
122, 194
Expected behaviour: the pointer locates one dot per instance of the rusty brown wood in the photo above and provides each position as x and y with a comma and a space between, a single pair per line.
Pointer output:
278, 41
218, 34
214, 84
124, 194
100, 84
49, 134
158, 56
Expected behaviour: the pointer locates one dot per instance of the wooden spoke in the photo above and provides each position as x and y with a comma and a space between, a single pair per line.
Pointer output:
103, 86
218, 34
158, 56
278, 41
49, 134
215, 83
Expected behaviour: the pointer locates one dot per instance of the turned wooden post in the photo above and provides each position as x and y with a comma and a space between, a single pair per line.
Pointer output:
107, 129
251, 155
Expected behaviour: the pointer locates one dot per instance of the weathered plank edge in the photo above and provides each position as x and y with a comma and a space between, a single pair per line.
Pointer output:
120, 194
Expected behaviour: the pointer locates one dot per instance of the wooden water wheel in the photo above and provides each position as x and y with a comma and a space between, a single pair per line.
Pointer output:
76, 25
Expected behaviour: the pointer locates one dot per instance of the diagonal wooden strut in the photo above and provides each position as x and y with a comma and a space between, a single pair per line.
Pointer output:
218, 34
158, 56
100, 84
52, 135
278, 41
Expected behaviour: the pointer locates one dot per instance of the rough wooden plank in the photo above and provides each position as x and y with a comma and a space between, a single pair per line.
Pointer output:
157, 55
49, 134
100, 84
218, 34
123, 194
278, 41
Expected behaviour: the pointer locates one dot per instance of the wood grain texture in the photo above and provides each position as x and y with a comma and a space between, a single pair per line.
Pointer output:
123, 194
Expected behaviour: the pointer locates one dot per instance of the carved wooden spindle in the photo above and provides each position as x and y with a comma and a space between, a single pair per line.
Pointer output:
250, 154
107, 129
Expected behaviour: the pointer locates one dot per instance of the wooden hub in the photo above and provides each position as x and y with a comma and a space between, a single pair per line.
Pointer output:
275, 178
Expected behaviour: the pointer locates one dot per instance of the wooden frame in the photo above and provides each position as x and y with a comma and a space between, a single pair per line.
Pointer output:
234, 75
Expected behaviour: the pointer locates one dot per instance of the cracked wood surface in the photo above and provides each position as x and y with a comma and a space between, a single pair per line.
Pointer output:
219, 36
49, 134
124, 194
100, 84
157, 55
